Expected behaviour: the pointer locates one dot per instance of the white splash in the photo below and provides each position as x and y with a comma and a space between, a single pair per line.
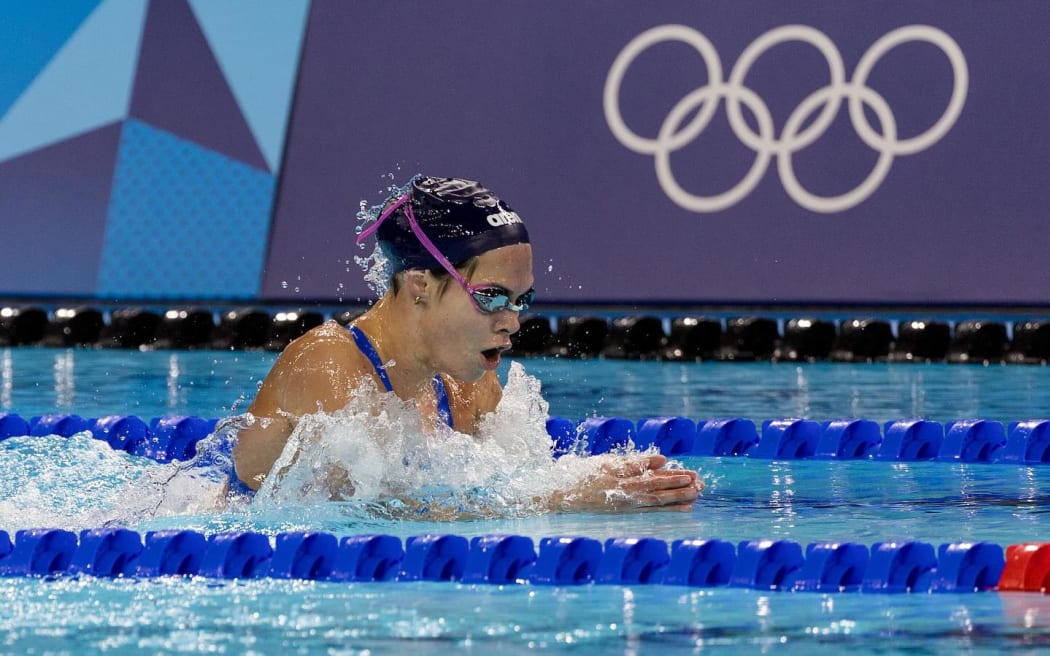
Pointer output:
80, 482
376, 266
378, 270
378, 455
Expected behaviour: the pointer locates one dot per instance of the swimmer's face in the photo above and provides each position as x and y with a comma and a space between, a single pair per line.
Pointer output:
465, 342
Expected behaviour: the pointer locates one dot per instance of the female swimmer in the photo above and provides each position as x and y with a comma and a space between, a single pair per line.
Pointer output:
444, 327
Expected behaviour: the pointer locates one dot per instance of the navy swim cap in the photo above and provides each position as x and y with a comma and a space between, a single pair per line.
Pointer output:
461, 217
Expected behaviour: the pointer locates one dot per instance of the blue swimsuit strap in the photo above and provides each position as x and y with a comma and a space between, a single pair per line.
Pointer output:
363, 343
366, 347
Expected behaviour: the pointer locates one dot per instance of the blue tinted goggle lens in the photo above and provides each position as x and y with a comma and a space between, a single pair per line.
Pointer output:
491, 299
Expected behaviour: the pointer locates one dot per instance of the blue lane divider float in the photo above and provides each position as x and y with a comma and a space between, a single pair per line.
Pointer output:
123, 433
833, 567
304, 556
163, 439
633, 561
787, 439
725, 437
171, 553
769, 565
848, 439
12, 425
238, 555
566, 561
1027, 442
973, 440
499, 559
167, 439
368, 558
700, 563
435, 558
106, 552
969, 441
55, 424
37, 552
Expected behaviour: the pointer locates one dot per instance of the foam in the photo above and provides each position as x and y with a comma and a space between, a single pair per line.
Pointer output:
377, 458
80, 482
402, 467
377, 267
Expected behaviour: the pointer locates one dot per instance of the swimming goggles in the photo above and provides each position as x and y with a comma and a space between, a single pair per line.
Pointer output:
487, 299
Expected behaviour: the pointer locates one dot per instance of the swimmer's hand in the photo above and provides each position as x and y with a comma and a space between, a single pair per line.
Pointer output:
332, 483
634, 484
338, 483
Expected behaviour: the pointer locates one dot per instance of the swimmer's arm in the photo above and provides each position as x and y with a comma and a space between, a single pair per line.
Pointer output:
258, 446
312, 374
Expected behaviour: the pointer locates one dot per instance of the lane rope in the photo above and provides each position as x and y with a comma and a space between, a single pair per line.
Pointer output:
1025, 442
772, 565
894, 566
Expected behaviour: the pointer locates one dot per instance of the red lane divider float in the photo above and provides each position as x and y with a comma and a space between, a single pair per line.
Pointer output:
773, 565
1027, 568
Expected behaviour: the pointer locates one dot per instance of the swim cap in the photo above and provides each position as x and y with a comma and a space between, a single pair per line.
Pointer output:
461, 217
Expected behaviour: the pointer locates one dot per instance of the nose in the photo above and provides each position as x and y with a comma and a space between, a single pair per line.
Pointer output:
507, 321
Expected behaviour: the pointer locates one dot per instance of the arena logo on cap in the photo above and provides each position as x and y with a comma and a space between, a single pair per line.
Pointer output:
503, 219
692, 114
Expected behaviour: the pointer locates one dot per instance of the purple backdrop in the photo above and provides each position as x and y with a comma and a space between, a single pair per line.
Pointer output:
511, 93
64, 187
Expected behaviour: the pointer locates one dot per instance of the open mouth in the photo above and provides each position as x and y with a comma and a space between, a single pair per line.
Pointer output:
492, 355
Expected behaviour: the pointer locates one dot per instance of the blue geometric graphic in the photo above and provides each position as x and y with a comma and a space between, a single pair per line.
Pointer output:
85, 85
184, 222
30, 34
249, 37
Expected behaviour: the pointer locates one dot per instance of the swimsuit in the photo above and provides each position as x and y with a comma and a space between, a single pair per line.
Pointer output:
443, 407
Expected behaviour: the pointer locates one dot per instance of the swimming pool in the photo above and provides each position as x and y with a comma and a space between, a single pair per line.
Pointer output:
78, 483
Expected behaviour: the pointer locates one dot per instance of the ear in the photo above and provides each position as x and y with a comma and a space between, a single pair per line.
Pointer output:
416, 283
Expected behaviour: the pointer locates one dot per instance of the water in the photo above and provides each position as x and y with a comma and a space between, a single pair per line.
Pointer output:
219, 383
78, 483
164, 616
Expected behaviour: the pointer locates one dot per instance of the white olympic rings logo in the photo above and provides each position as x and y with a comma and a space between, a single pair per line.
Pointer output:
673, 135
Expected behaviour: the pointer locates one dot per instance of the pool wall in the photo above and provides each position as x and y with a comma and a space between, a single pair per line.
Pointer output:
811, 337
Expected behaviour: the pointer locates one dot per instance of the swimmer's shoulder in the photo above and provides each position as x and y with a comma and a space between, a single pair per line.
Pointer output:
330, 330
317, 368
329, 341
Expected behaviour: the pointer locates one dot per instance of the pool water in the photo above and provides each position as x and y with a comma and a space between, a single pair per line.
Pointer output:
218, 383
76, 483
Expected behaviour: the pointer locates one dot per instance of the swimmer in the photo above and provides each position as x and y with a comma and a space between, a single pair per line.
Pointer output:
462, 274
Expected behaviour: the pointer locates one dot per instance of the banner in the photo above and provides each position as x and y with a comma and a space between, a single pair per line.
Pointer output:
682, 151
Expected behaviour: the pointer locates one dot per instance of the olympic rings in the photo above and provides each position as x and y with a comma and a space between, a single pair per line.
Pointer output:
702, 103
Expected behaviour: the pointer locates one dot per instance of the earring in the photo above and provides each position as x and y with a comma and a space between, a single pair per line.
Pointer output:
419, 300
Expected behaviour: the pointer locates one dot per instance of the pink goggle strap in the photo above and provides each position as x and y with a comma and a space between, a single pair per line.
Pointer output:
420, 235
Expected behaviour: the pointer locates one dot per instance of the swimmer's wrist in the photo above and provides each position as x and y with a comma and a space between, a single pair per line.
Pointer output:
554, 502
